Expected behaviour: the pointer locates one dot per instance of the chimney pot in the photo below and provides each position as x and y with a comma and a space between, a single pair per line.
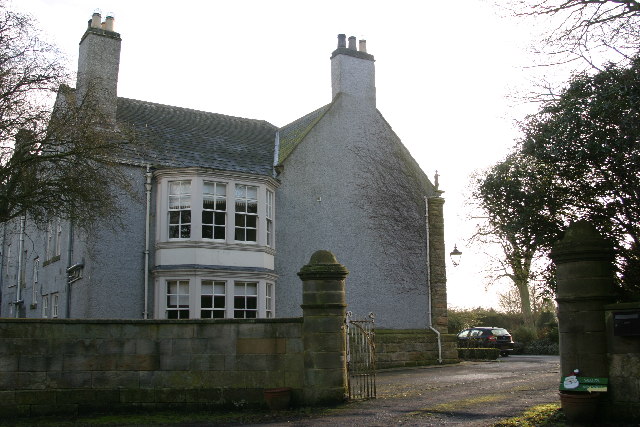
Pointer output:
108, 23
342, 41
363, 46
352, 43
96, 20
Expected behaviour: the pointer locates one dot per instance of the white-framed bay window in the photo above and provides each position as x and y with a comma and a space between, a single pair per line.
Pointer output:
215, 207
201, 297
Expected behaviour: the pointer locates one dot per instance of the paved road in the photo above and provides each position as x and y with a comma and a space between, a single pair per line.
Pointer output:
468, 394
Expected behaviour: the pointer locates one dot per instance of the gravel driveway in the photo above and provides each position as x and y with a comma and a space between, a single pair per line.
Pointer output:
468, 394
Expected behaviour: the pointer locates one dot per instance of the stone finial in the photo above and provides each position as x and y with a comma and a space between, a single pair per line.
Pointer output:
323, 265
581, 240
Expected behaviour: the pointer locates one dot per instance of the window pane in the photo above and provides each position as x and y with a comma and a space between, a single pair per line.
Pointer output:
251, 221
239, 302
206, 301
252, 193
252, 207
219, 233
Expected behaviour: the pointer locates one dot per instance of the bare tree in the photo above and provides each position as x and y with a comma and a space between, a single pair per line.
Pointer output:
53, 161
585, 30
393, 190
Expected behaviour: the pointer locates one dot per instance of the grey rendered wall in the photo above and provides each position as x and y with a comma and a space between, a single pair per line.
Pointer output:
113, 256
111, 251
323, 203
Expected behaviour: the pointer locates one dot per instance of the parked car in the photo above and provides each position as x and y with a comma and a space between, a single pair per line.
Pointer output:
486, 337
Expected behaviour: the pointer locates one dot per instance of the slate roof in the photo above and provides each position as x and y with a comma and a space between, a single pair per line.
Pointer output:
293, 133
181, 137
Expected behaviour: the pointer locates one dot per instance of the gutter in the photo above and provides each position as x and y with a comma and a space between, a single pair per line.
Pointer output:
429, 314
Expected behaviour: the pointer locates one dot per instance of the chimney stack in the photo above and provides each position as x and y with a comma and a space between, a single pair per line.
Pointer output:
353, 71
98, 66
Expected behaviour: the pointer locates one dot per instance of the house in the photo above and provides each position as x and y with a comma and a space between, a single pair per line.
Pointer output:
225, 211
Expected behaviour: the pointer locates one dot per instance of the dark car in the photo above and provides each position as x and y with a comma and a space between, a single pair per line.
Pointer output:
486, 337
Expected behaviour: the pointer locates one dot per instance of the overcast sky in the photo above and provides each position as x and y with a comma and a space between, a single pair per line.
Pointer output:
444, 71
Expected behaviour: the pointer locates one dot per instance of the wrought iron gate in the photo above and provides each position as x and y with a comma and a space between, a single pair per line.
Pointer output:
361, 357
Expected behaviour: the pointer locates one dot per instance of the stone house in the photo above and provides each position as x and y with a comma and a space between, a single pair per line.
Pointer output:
227, 209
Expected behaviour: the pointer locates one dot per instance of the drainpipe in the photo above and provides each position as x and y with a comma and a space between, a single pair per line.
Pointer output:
20, 261
147, 186
429, 320
2, 258
69, 270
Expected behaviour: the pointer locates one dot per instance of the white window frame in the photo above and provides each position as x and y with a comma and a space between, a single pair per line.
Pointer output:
45, 306
36, 266
269, 218
181, 208
216, 297
244, 217
216, 212
269, 300
245, 303
54, 237
54, 305
180, 298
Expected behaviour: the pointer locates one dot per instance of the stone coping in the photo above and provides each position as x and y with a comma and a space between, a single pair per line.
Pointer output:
156, 321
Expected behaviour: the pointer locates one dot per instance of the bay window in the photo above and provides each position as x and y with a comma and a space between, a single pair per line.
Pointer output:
216, 208
215, 298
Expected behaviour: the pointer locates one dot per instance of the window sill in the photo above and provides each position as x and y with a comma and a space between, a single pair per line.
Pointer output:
51, 260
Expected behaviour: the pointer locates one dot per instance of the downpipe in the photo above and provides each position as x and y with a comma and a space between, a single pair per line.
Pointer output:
19, 301
147, 225
429, 320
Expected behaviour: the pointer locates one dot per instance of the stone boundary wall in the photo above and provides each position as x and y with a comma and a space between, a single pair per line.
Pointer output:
624, 367
412, 347
75, 366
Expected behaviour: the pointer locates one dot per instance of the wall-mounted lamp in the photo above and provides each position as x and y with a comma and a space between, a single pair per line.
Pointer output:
455, 256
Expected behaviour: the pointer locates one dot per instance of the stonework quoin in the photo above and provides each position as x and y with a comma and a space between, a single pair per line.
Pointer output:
585, 283
437, 266
324, 310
